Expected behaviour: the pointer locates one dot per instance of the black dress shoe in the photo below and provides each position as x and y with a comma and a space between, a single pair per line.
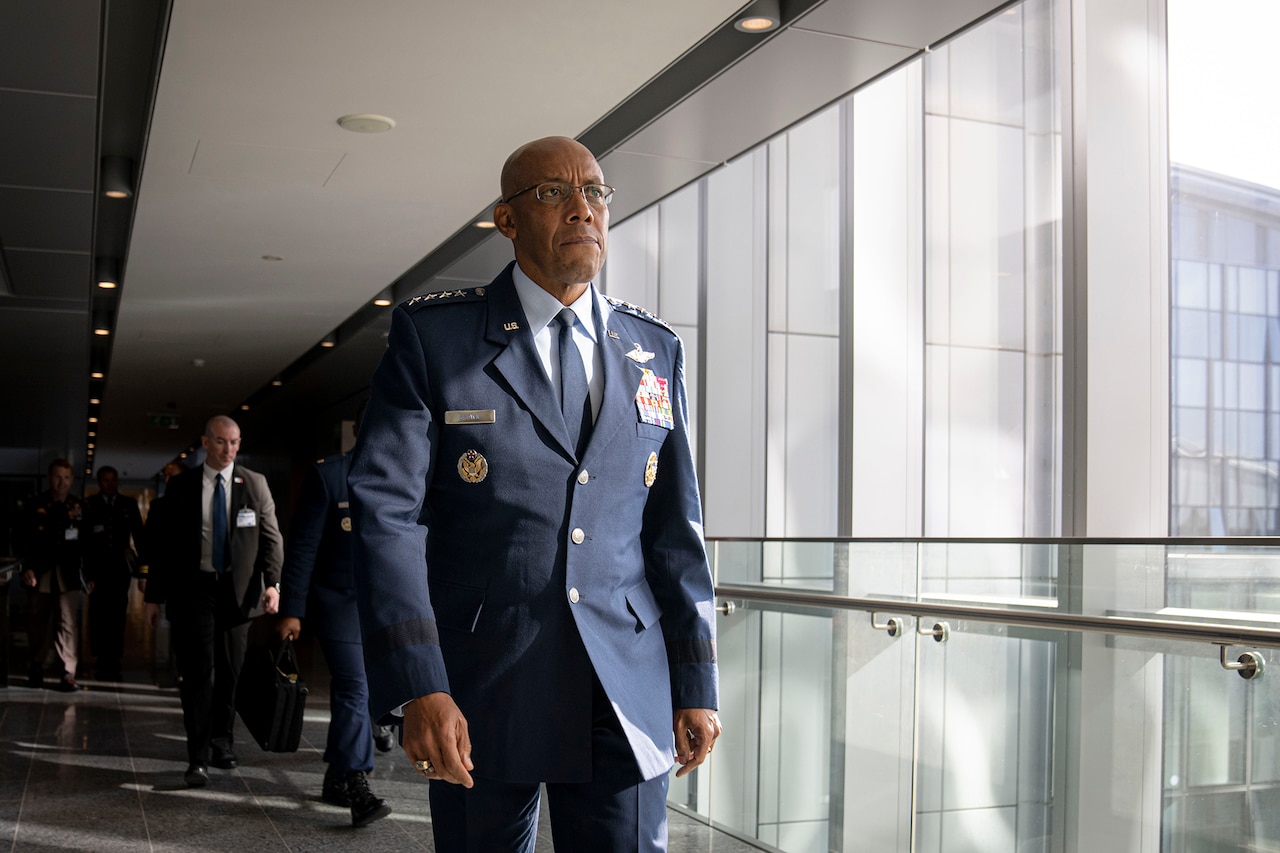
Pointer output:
35, 677
196, 776
383, 738
365, 807
67, 684
224, 758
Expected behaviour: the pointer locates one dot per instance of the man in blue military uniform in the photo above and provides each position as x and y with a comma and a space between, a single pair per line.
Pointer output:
534, 590
50, 542
316, 585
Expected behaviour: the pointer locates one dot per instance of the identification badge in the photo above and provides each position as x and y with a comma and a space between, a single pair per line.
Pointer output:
246, 518
72, 534
653, 401
346, 523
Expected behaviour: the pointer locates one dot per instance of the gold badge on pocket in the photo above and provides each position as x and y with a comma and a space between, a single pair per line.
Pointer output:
651, 470
346, 523
472, 467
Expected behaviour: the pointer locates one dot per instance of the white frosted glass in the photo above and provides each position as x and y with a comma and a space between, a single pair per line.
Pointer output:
805, 701
813, 225
986, 442
679, 259
937, 443
812, 416
937, 231
734, 354
986, 71
980, 831
630, 272
887, 300
776, 445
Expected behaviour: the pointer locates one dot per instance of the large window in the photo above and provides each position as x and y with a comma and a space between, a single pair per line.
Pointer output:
1225, 268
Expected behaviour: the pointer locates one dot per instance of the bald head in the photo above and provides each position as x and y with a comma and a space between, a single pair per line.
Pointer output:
560, 240
526, 164
221, 441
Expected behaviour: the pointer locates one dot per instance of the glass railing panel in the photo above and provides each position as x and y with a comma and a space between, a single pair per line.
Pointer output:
1000, 734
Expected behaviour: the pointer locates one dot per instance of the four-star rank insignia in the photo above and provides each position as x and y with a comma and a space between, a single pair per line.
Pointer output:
472, 467
650, 470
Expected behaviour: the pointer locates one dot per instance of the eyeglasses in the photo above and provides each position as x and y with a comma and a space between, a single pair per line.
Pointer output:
558, 192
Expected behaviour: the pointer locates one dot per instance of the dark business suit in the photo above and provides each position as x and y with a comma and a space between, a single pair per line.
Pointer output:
109, 556
543, 573
209, 613
318, 588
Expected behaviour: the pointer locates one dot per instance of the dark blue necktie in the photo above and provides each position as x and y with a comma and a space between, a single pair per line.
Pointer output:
575, 402
219, 526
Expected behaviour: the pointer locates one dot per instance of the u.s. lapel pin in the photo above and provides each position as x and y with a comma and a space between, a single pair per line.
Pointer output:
510, 327
639, 355
472, 467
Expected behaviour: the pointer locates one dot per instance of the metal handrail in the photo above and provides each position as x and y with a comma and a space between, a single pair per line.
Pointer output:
1204, 632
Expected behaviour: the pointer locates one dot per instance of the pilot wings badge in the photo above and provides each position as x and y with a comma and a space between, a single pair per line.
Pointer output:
472, 467
638, 355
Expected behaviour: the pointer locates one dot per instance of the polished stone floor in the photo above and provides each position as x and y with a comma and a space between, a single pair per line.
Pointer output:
102, 769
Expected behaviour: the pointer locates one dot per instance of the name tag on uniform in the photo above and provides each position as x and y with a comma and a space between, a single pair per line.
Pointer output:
470, 416
246, 518
72, 534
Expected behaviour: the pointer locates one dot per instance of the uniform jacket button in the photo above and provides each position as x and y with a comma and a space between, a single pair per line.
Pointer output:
578, 536
573, 595
583, 477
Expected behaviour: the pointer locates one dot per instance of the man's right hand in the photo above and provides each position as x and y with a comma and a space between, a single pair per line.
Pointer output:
288, 628
436, 731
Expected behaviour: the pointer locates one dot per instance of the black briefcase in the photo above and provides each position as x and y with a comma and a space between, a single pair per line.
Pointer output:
271, 697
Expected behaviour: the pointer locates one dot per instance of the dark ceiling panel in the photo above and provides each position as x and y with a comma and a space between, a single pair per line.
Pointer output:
51, 46
58, 221
50, 275
53, 145
45, 402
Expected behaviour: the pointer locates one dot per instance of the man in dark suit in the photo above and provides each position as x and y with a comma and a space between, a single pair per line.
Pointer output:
556, 625
114, 531
215, 564
317, 586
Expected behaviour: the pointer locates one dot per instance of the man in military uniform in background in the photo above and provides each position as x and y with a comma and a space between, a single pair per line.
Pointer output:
50, 542
113, 529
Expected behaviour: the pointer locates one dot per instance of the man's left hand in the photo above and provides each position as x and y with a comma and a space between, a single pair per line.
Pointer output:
696, 730
270, 600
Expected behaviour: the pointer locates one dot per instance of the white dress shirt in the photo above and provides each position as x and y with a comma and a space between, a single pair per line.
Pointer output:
540, 310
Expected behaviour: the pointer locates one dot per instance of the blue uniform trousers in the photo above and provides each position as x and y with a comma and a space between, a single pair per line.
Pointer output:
350, 743
616, 812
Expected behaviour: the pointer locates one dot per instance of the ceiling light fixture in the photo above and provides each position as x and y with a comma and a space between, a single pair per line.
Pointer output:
108, 270
117, 177
486, 224
277, 382
760, 17
330, 341
93, 401
244, 407
382, 302
366, 123
102, 332
93, 420
97, 374
92, 434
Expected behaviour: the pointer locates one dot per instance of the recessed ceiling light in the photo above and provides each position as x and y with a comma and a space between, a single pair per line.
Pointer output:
484, 223
277, 382
93, 420
92, 434
93, 401
366, 123
328, 344
107, 285
382, 303
91, 445
244, 407
96, 375
762, 17
182, 456
102, 332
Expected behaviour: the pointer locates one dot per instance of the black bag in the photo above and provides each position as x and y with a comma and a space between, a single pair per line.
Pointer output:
270, 697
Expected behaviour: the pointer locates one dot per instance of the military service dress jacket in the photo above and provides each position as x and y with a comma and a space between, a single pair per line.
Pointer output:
494, 565
316, 584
